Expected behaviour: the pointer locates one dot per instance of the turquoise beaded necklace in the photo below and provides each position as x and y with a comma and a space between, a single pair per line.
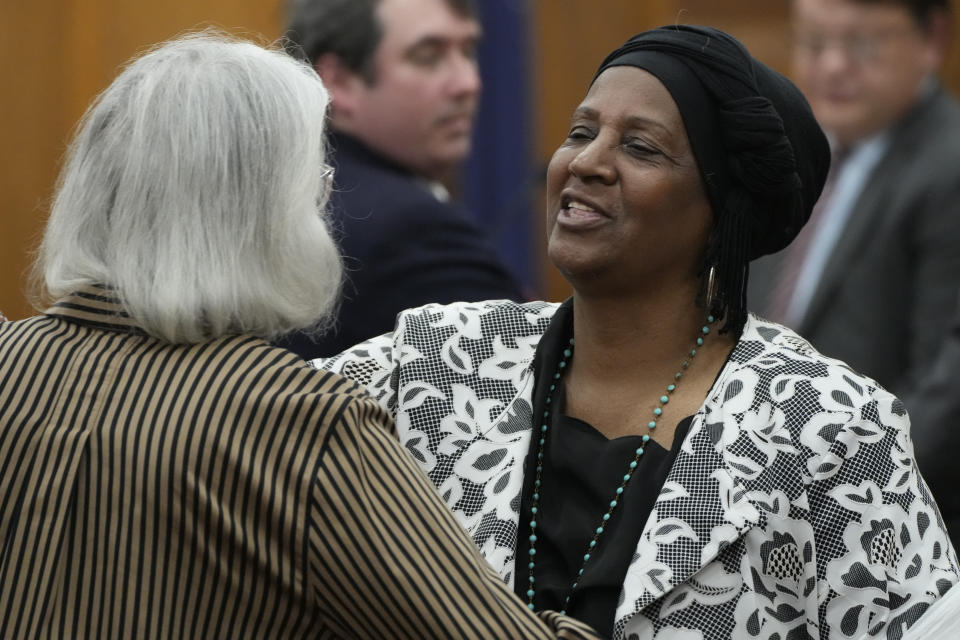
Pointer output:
545, 428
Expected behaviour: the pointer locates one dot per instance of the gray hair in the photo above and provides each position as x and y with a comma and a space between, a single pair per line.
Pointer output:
194, 189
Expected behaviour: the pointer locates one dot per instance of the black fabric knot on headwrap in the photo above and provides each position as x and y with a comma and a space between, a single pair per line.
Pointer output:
762, 156
759, 155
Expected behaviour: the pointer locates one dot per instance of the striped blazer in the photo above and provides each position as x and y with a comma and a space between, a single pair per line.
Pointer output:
218, 490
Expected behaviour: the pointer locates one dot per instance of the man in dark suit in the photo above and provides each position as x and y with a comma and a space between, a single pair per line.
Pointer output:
873, 278
404, 85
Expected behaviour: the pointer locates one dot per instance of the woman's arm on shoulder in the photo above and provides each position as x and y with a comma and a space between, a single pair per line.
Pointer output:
387, 557
369, 364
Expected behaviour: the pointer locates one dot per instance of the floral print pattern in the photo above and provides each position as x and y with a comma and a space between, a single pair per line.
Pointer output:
794, 509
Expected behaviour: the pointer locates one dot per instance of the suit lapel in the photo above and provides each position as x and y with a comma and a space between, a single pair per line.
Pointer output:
686, 532
674, 544
855, 235
511, 431
867, 210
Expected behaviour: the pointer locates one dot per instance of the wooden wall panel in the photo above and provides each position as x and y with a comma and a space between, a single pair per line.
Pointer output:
30, 111
55, 57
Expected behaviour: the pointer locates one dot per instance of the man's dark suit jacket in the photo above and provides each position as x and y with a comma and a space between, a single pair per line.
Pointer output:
887, 293
402, 248
886, 299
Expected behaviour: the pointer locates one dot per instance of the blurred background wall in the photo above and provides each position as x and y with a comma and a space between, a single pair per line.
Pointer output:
55, 56
536, 59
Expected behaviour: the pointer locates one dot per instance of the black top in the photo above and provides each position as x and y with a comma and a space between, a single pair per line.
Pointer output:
581, 472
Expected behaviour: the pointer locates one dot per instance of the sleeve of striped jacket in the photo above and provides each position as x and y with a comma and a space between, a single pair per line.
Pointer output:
388, 559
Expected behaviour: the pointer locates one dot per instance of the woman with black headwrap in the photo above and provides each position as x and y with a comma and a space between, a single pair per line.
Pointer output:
648, 456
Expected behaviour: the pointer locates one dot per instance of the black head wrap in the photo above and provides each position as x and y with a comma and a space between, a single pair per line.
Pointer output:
761, 154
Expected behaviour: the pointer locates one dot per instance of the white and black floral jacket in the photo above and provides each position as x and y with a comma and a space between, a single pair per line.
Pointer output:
794, 509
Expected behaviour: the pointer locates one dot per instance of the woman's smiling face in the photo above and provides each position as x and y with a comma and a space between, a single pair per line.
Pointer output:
626, 206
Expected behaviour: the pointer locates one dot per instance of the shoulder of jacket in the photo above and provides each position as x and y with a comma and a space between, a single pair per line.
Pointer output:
292, 376
504, 310
786, 357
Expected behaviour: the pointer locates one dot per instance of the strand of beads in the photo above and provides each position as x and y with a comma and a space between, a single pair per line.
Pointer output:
535, 506
538, 478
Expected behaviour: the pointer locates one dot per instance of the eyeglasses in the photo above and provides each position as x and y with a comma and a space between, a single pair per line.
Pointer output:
862, 48
326, 184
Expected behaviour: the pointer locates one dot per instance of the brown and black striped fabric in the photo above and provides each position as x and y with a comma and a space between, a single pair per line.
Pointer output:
218, 490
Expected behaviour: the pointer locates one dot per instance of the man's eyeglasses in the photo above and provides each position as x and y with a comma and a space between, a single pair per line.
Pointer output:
862, 48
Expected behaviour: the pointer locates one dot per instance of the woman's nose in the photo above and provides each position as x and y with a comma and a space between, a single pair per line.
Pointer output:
594, 161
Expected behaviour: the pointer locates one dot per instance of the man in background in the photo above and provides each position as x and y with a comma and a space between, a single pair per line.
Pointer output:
404, 84
873, 278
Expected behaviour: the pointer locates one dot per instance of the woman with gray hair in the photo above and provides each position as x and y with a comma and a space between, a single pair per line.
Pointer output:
164, 470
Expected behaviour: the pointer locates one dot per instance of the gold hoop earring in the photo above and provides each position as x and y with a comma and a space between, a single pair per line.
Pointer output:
710, 295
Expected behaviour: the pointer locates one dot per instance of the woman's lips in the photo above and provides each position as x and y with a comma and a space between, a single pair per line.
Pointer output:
578, 215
